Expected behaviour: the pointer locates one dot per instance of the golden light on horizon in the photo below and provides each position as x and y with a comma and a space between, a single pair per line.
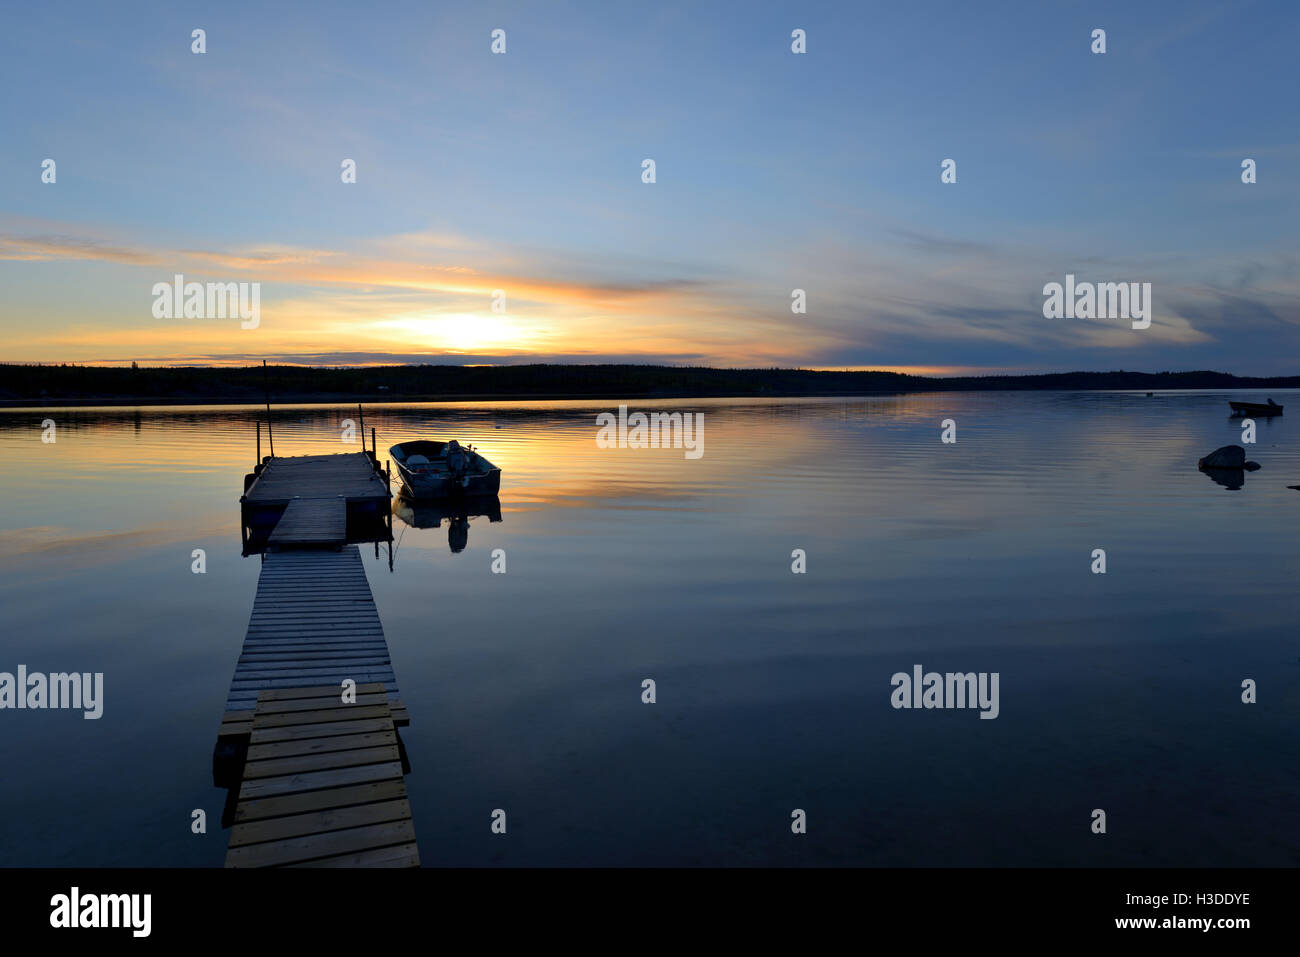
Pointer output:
456, 331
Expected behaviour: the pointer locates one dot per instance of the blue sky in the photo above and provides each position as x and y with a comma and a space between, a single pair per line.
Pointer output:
774, 171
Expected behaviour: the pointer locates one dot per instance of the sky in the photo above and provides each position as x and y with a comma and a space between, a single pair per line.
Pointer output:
774, 171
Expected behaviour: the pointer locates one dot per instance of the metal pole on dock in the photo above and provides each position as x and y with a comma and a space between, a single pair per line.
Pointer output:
258, 463
373, 453
362, 416
266, 385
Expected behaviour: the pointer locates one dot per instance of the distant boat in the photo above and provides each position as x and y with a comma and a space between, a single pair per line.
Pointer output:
1256, 408
444, 469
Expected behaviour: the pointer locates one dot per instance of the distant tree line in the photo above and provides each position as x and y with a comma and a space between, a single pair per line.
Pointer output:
79, 383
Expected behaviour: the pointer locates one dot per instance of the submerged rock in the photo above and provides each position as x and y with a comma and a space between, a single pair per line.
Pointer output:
1228, 457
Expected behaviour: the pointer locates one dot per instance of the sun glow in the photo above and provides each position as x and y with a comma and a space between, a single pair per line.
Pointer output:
457, 331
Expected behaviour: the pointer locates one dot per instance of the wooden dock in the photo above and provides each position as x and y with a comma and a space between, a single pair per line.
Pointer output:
349, 475
315, 501
315, 780
322, 784
308, 522
314, 623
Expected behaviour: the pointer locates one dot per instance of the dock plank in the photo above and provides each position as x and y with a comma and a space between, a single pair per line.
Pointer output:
297, 850
301, 746
320, 761
337, 798
399, 855
322, 729
263, 808
320, 822
312, 521
350, 475
302, 633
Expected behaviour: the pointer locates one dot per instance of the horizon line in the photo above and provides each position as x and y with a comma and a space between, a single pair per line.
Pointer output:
967, 372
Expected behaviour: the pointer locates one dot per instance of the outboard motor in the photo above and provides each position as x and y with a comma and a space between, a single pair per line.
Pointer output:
456, 458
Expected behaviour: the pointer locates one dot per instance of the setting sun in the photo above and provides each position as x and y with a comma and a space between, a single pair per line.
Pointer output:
456, 331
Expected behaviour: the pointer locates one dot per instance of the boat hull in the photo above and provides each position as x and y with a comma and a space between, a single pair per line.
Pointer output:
443, 485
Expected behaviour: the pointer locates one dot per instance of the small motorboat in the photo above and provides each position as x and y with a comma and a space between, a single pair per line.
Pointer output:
444, 470
1256, 408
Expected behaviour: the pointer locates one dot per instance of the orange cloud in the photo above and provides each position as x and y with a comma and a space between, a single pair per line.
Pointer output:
377, 301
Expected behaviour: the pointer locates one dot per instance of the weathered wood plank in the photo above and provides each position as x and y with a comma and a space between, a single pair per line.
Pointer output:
343, 713
331, 843
323, 691
399, 855
281, 805
319, 822
261, 646
320, 761
311, 521
320, 745
322, 729
319, 780
246, 693
322, 653
310, 662
345, 668
247, 697
317, 704
325, 671
333, 662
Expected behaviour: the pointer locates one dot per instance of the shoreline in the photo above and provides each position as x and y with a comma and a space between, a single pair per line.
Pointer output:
45, 386
299, 399
387, 399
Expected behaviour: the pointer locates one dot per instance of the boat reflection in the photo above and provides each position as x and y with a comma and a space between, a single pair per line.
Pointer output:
419, 513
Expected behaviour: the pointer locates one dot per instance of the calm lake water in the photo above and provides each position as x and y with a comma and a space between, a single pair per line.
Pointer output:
1119, 691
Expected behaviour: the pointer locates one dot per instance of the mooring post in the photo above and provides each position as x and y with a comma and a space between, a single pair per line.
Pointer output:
266, 384
258, 463
374, 453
